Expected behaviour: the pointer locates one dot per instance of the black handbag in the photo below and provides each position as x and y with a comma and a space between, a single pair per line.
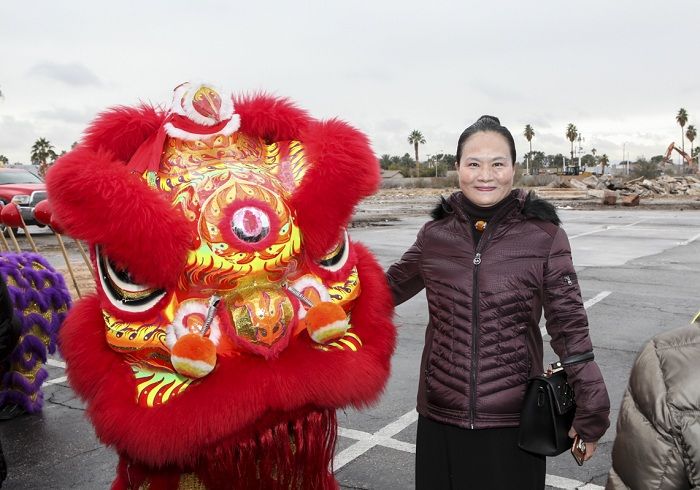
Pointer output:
548, 410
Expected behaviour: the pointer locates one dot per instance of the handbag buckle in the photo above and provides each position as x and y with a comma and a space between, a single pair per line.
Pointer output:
553, 368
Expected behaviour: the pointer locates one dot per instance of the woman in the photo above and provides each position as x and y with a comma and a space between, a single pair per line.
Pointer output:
490, 260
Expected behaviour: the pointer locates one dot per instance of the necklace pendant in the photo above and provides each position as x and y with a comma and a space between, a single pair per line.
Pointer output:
480, 225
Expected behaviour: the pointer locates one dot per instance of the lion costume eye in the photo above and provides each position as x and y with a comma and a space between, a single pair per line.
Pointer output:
122, 291
337, 258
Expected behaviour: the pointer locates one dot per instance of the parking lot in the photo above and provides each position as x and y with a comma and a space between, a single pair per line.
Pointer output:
640, 274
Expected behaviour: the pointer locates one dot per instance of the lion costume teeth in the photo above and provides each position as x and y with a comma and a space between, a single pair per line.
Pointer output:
245, 199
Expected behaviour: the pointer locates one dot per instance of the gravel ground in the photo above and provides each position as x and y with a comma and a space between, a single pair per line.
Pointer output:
388, 205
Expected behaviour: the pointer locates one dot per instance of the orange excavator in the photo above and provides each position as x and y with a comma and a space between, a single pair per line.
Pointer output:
688, 159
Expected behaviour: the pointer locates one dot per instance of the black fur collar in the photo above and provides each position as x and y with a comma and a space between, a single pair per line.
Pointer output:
532, 207
441, 209
536, 208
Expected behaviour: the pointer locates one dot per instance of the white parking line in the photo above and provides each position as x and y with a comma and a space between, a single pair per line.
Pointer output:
587, 304
690, 240
598, 297
55, 363
605, 228
568, 484
55, 381
359, 435
366, 441
380, 437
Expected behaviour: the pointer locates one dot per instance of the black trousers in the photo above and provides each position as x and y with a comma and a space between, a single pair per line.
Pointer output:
451, 458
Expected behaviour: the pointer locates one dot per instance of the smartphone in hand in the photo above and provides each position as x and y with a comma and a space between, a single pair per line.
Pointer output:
578, 450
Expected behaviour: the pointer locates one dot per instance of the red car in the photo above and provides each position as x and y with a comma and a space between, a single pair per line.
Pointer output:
24, 189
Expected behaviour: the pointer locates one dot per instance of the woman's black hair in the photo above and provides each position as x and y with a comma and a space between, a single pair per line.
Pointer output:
484, 124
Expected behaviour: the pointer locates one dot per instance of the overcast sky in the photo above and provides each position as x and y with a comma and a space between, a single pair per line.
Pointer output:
618, 69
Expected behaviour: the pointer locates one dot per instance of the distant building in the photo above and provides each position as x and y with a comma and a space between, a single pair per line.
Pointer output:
391, 175
596, 170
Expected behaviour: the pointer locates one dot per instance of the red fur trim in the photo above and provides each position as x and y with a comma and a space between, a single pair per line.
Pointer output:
270, 118
96, 199
344, 170
121, 130
234, 397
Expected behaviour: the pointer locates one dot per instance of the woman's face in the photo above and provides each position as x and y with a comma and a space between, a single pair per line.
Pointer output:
485, 168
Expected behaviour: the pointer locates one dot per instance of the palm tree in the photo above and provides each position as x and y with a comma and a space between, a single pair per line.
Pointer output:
416, 138
385, 161
3, 160
691, 133
42, 151
529, 133
682, 118
603, 162
571, 134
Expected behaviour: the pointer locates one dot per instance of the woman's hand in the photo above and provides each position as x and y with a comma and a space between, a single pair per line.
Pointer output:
590, 446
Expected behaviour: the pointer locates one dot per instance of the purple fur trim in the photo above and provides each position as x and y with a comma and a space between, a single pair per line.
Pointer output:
15, 380
31, 283
19, 391
33, 346
31, 287
29, 405
47, 289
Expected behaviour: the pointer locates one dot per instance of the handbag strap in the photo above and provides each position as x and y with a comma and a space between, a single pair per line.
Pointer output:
577, 359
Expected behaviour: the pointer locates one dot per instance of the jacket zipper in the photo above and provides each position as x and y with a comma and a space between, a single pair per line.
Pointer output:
475, 309
475, 334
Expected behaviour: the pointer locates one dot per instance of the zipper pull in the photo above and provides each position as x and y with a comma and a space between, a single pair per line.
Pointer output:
477, 258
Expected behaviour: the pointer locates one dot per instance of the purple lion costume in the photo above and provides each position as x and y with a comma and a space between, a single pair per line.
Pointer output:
41, 301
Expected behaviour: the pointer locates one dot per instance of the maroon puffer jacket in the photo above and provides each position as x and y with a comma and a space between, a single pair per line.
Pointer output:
485, 302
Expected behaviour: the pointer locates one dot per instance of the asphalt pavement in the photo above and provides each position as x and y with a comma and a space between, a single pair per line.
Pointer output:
639, 272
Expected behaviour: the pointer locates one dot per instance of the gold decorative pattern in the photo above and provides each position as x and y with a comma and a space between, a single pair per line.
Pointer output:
157, 387
209, 181
139, 342
350, 341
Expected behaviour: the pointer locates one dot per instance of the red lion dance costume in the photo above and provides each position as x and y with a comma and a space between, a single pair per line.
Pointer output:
232, 316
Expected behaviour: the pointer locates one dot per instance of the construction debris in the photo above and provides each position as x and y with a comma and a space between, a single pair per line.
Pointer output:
687, 185
630, 200
609, 198
578, 184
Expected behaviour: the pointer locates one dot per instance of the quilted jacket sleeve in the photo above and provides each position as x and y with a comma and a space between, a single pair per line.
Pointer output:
647, 451
567, 324
405, 277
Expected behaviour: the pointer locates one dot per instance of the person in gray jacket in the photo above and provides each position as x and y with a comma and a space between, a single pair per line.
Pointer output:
658, 429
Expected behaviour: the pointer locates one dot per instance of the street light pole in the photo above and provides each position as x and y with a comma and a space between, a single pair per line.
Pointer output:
580, 151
